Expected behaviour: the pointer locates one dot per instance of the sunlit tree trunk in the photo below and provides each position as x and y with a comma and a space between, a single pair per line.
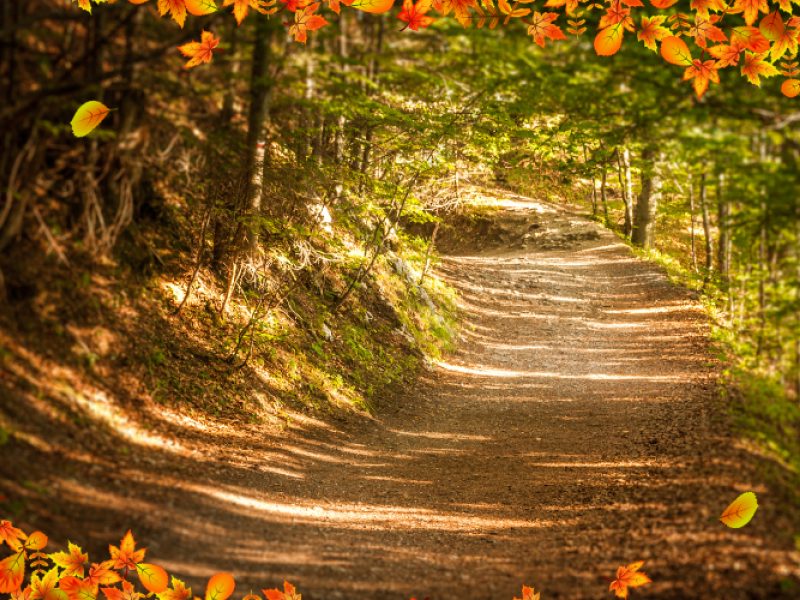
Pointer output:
604, 192
691, 219
723, 215
228, 108
338, 143
624, 167
644, 223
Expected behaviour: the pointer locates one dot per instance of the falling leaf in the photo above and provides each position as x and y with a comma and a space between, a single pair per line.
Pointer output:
240, 8
201, 7
88, 116
541, 26
744, 507
11, 535
675, 51
652, 31
305, 20
287, 594
528, 594
220, 587
791, 88
73, 562
609, 40
12, 571
200, 51
627, 577
126, 556
414, 14
153, 578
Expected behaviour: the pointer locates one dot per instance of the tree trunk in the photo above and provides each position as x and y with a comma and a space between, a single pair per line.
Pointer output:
723, 216
691, 217
624, 166
338, 143
233, 70
604, 194
260, 86
706, 229
644, 224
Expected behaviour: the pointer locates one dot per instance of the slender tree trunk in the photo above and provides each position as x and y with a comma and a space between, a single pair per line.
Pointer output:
624, 169
260, 86
604, 193
723, 215
228, 102
340, 119
691, 217
644, 224
594, 187
706, 229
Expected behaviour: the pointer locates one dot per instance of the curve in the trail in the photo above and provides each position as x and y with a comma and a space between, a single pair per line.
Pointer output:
570, 434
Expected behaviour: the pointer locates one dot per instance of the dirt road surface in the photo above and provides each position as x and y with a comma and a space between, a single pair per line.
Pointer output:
575, 430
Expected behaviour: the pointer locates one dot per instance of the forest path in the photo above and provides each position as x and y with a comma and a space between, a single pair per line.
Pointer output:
571, 433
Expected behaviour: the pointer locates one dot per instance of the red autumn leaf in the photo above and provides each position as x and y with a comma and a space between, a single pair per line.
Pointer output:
370, 6
293, 5
101, 574
287, 594
240, 8
43, 584
627, 577
662, 3
614, 14
70, 585
200, 51
652, 31
755, 66
771, 26
787, 42
73, 562
571, 5
11, 536
56, 594
702, 73
12, 571
126, 556
126, 593
176, 8
305, 20
541, 26
414, 14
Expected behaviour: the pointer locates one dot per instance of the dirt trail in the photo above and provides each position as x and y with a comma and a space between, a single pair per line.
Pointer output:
573, 432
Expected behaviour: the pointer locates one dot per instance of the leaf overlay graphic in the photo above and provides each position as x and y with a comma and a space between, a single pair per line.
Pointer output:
739, 513
89, 116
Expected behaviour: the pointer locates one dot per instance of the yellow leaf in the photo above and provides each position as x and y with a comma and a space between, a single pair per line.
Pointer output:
88, 117
741, 511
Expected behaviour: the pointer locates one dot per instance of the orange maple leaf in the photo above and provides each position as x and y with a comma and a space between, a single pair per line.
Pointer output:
20, 594
652, 31
240, 8
751, 38
541, 26
614, 14
305, 20
126, 556
414, 14
41, 585
751, 8
701, 7
702, 73
176, 8
179, 591
627, 577
73, 562
756, 65
787, 42
528, 594
726, 55
101, 575
200, 53
571, 5
703, 30
293, 5
11, 536
460, 10
126, 593
288, 593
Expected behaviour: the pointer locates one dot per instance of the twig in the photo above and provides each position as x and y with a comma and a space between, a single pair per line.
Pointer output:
51, 240
200, 251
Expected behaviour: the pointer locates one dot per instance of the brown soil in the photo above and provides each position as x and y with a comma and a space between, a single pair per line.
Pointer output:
576, 430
